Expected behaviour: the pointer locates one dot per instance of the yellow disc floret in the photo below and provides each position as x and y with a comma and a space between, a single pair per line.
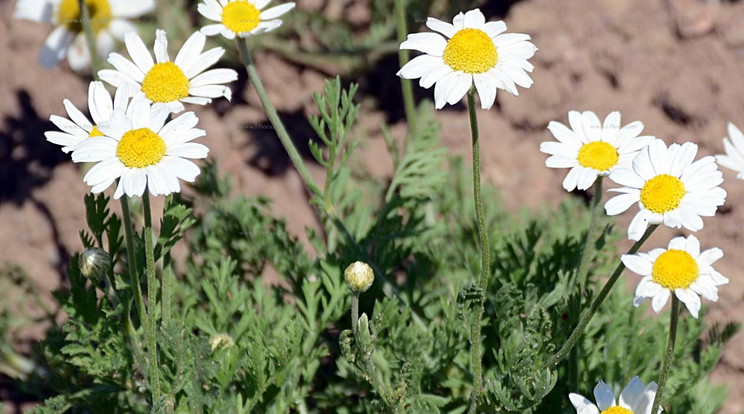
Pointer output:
140, 148
165, 82
617, 410
470, 51
675, 269
598, 155
662, 193
241, 16
95, 132
68, 14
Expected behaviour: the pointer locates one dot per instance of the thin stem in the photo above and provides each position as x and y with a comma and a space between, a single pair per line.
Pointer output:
152, 293
89, 37
587, 316
475, 328
669, 355
403, 58
581, 272
165, 293
354, 312
134, 280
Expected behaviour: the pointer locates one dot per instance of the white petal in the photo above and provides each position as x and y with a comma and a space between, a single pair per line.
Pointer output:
119, 28
637, 264
474, 19
611, 127
205, 60
441, 27
125, 67
99, 102
214, 76
213, 29
683, 159
638, 225
627, 177
36, 10
184, 169
604, 396
690, 299
592, 125
276, 11
67, 126
582, 405
138, 52
131, 8
440, 89
631, 393
565, 135
658, 302
190, 50
577, 125
55, 47
710, 256
210, 91
494, 29
66, 141
188, 150
460, 86
161, 46
486, 88
429, 43
77, 117
211, 10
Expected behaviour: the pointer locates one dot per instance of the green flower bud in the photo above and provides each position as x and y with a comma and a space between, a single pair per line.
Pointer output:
94, 263
221, 341
359, 277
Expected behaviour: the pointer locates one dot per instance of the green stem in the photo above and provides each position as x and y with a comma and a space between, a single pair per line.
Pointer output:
403, 58
152, 293
475, 328
165, 293
134, 280
354, 312
587, 316
89, 37
581, 272
669, 355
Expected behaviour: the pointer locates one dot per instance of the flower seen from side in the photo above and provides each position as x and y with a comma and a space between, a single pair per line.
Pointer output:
241, 17
681, 269
468, 52
591, 148
635, 398
171, 83
668, 187
733, 145
108, 21
143, 151
78, 127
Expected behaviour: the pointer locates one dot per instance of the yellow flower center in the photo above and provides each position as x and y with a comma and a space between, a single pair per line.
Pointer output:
675, 269
165, 82
616, 410
470, 51
95, 132
140, 148
598, 155
68, 14
662, 193
241, 16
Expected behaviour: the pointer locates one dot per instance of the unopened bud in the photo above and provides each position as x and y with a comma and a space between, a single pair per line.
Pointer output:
94, 263
359, 277
221, 341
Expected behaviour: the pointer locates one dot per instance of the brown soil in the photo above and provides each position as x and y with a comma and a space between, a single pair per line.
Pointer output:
673, 64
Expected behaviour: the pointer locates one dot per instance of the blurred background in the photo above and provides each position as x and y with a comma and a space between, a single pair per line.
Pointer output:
675, 65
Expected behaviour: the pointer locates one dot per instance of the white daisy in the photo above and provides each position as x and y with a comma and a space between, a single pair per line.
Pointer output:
636, 398
169, 83
469, 51
142, 151
241, 17
591, 149
734, 148
78, 128
669, 188
682, 268
107, 19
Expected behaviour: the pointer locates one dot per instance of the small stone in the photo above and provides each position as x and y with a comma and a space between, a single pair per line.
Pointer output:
694, 18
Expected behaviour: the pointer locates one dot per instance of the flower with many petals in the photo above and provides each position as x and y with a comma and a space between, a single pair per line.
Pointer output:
590, 148
734, 147
167, 83
469, 51
636, 398
143, 151
669, 188
107, 19
241, 17
681, 268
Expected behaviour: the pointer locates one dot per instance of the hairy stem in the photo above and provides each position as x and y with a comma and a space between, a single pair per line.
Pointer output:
403, 58
669, 355
89, 37
152, 293
587, 316
354, 312
475, 328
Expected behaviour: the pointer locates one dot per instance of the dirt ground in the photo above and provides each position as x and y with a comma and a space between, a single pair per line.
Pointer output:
673, 64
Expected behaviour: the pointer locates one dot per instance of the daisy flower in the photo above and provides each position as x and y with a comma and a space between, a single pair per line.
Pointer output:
734, 148
241, 17
143, 151
669, 188
681, 268
169, 83
78, 128
107, 19
590, 148
469, 51
636, 398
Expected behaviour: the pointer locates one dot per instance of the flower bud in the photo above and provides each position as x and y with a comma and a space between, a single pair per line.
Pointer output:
94, 263
359, 277
221, 341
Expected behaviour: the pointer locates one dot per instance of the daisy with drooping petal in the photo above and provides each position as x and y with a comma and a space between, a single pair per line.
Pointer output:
241, 17
107, 20
590, 148
669, 188
78, 128
734, 158
681, 268
636, 398
167, 83
469, 51
143, 151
